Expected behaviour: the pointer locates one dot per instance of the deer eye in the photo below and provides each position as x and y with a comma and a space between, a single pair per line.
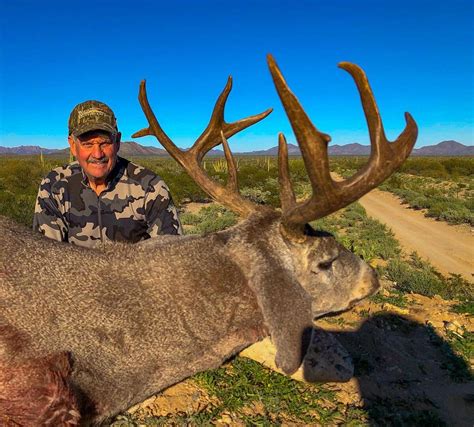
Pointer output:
325, 265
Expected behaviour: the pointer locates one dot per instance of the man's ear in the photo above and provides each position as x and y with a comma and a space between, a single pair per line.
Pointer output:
72, 145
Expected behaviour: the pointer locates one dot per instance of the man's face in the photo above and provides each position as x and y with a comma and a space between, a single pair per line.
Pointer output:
96, 152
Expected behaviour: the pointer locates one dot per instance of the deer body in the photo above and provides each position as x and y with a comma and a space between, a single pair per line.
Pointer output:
91, 332
129, 334
137, 319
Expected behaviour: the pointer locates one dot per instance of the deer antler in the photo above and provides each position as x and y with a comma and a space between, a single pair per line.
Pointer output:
214, 134
328, 195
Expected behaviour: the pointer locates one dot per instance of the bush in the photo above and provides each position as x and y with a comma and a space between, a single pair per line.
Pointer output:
19, 182
420, 277
209, 219
417, 280
256, 195
364, 236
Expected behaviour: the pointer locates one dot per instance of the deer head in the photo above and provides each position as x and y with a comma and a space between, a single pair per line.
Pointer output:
310, 272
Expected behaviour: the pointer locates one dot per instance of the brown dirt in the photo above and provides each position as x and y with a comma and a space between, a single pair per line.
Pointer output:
185, 397
450, 249
195, 207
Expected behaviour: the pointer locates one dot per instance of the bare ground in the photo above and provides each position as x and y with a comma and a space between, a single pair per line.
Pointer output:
449, 248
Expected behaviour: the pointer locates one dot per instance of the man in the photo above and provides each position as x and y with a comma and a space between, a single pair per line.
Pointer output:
101, 196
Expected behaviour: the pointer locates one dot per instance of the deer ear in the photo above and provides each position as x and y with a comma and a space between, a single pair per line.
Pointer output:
286, 309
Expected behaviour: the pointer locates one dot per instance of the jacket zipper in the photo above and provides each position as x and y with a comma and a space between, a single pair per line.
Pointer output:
100, 219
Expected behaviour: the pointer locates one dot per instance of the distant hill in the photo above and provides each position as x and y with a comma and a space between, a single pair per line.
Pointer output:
28, 150
133, 149
445, 148
293, 150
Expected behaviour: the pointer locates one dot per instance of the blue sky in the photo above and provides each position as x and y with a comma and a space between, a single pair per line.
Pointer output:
418, 56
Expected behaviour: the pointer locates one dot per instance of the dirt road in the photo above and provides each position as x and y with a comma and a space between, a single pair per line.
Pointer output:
449, 248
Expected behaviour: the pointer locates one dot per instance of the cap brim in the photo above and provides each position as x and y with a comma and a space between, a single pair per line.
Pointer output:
93, 126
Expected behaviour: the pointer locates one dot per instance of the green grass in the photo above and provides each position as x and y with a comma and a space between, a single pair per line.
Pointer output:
457, 353
240, 385
462, 343
466, 307
245, 382
418, 276
395, 298
199, 419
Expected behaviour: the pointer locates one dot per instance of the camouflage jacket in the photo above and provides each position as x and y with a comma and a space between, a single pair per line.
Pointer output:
135, 206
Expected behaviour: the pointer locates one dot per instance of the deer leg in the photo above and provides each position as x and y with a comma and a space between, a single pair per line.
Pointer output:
37, 392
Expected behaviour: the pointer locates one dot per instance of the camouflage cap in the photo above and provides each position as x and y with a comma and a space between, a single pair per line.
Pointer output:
92, 115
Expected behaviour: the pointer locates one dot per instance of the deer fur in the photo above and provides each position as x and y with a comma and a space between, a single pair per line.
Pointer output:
136, 319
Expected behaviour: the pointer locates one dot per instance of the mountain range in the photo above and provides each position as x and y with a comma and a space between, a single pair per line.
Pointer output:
132, 149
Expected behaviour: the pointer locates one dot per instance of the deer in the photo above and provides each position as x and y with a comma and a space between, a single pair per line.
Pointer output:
87, 333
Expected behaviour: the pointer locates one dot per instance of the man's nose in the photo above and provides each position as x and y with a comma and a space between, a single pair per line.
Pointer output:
97, 152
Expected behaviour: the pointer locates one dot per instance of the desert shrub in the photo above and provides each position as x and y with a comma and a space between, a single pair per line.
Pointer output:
395, 181
407, 278
182, 187
433, 184
18, 207
418, 276
451, 212
459, 166
459, 287
464, 307
256, 195
347, 166
373, 240
209, 219
297, 169
19, 183
440, 202
437, 167
364, 236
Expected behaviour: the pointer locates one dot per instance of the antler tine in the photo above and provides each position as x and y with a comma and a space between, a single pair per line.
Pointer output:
329, 196
214, 135
232, 183
155, 129
210, 138
385, 156
287, 195
313, 144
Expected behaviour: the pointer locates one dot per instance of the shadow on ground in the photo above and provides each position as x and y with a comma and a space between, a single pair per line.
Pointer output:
408, 375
